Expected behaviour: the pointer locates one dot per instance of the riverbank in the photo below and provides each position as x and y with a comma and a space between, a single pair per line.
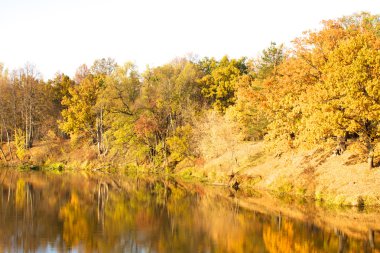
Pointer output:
342, 180
315, 174
80, 189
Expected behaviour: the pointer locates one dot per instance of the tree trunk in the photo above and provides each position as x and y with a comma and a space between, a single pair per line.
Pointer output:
9, 144
370, 153
165, 155
30, 140
8, 139
26, 130
99, 133
341, 145
370, 158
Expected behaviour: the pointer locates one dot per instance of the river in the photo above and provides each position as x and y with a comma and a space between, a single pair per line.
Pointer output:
78, 212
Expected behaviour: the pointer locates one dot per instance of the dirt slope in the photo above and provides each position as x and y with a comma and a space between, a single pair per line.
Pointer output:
341, 180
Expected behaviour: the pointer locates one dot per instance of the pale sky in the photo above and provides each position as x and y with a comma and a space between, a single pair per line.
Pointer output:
60, 35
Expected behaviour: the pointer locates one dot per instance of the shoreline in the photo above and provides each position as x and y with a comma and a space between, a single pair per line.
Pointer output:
315, 174
351, 221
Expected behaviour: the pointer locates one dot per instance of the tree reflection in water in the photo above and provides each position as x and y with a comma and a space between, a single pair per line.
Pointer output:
46, 212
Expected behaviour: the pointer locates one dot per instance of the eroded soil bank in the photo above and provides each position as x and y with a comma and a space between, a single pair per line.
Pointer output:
342, 180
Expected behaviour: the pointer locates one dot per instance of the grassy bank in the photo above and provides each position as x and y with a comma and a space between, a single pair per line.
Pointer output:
315, 174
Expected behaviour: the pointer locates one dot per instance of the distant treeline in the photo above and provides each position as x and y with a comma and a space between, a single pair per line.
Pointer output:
325, 87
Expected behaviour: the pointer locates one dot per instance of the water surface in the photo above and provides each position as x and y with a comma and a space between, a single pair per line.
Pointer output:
42, 212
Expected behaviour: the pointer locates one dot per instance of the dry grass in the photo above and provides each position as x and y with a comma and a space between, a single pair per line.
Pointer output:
243, 157
59, 151
332, 180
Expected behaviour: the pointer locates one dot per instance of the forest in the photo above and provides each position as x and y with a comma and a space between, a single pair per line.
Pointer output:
322, 90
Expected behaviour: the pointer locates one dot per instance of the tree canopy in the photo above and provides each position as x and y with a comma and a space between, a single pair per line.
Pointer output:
324, 87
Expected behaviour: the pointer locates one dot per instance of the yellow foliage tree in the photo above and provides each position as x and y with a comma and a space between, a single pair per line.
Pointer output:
329, 86
347, 98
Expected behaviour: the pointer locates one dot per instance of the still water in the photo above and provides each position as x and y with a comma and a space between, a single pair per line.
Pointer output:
42, 212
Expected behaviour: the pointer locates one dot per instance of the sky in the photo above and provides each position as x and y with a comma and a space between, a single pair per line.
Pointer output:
60, 35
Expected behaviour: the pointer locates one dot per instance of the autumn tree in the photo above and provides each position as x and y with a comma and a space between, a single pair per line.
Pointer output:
251, 107
348, 95
83, 115
118, 100
219, 80
103, 66
327, 87
61, 85
170, 96
31, 102
56, 90
81, 72
26, 108
79, 118
5, 112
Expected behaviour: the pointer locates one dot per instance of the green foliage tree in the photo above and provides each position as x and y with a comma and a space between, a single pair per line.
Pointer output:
266, 65
118, 101
169, 98
61, 85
